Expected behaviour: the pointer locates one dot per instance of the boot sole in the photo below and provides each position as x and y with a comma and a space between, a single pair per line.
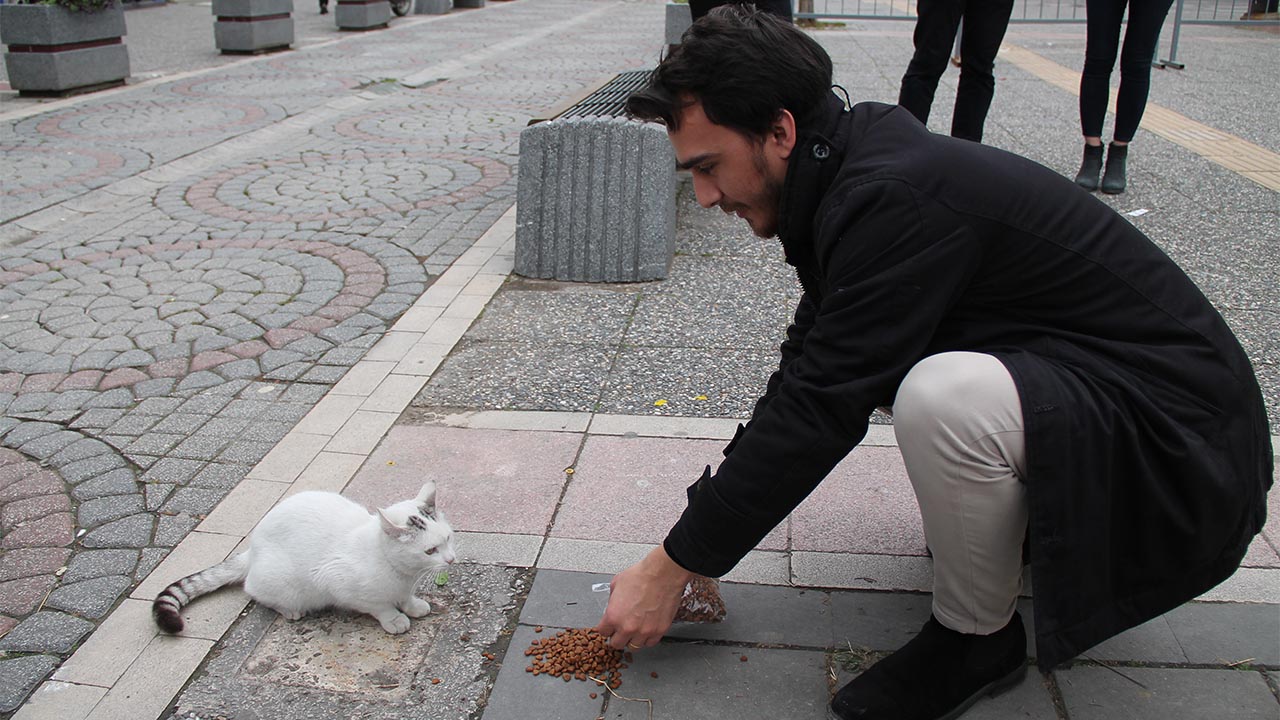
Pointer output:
991, 689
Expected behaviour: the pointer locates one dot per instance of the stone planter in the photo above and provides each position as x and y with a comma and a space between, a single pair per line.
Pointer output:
252, 26
362, 14
432, 7
679, 18
53, 50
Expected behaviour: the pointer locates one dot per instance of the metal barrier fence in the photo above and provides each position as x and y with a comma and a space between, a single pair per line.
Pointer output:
1186, 12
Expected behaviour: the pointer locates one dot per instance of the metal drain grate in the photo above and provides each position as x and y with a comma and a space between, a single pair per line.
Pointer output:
611, 99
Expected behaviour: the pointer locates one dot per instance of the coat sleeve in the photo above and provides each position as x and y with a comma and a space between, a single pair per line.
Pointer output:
894, 264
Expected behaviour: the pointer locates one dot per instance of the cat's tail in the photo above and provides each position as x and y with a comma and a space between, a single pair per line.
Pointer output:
167, 608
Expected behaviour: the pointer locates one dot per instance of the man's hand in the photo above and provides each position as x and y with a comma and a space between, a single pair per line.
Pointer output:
643, 600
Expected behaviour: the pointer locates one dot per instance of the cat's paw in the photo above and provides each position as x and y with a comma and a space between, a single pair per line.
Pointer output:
416, 607
395, 624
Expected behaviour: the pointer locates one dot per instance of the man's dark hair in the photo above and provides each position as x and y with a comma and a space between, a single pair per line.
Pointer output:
745, 66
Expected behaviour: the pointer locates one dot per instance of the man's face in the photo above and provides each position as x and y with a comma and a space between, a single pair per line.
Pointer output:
739, 174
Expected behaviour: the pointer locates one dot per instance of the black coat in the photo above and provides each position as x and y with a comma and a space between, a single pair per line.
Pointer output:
1148, 454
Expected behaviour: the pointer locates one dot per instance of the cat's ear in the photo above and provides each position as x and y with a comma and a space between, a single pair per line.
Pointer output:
426, 499
391, 529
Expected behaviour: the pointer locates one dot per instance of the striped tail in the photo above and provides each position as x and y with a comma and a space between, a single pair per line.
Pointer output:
167, 608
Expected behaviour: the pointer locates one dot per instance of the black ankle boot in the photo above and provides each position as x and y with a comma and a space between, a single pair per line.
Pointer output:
936, 676
1113, 180
1090, 167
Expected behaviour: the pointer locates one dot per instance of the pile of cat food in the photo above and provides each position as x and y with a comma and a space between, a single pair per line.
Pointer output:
579, 654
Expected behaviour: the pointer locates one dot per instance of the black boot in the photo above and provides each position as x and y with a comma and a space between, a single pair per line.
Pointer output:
936, 676
1090, 167
1113, 180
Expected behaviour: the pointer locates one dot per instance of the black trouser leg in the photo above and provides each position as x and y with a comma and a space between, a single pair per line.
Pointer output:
1146, 17
985, 23
1102, 42
934, 34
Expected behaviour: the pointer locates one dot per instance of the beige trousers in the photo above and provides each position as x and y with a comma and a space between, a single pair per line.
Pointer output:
959, 425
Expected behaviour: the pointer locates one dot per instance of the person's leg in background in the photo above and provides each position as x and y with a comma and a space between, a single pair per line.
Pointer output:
935, 31
1146, 18
958, 419
1102, 42
984, 27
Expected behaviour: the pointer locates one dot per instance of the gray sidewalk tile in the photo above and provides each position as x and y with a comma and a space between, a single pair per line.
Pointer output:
1101, 693
696, 681
519, 695
1226, 633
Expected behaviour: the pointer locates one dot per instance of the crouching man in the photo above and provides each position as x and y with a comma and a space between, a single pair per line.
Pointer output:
1056, 380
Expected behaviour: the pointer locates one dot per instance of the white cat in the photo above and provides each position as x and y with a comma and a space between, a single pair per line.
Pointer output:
319, 549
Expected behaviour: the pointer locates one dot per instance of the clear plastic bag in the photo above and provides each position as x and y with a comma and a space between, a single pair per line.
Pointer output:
701, 602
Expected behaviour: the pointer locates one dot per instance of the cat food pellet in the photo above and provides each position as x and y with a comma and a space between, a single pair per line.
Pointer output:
435, 681
592, 696
538, 629
743, 658
653, 674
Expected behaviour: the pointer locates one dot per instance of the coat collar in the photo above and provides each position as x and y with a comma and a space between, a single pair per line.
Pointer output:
817, 158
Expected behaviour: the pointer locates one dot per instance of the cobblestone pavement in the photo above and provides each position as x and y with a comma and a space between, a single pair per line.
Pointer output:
188, 265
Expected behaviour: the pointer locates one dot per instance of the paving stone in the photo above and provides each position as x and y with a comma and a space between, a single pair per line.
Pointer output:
31, 562
134, 423
156, 493
27, 431
45, 631
80, 470
247, 452
90, 598
72, 400
172, 470
171, 529
114, 398
98, 511
182, 424
80, 449
26, 509
159, 406
116, 482
150, 558
192, 501
19, 676
130, 532
47, 446
199, 381
54, 530
1254, 636
199, 447
155, 443
1137, 693
90, 564
220, 476
21, 596
154, 388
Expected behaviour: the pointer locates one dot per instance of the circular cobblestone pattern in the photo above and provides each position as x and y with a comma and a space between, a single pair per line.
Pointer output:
34, 170
326, 187
147, 121
113, 318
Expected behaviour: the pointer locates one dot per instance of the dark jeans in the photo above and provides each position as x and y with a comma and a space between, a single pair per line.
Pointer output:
781, 8
1103, 17
984, 24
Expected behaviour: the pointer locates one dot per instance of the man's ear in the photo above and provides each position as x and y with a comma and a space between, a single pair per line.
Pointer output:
782, 133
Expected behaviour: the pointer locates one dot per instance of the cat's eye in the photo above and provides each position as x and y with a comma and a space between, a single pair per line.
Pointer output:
431, 551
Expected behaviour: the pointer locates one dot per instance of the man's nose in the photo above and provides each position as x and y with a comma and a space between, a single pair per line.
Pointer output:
706, 192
